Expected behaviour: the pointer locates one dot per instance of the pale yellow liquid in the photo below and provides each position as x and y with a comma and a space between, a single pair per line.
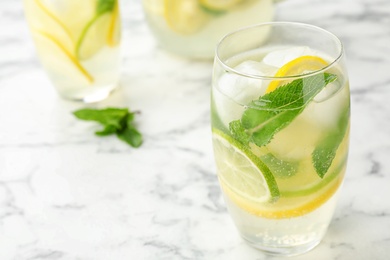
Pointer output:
298, 220
202, 42
57, 26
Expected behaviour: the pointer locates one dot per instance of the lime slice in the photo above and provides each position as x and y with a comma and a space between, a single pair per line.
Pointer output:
184, 16
220, 5
285, 207
86, 10
249, 184
295, 67
94, 36
56, 56
241, 171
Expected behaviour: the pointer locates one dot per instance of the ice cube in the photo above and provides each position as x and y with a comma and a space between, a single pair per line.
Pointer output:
327, 105
280, 57
296, 141
234, 91
245, 89
226, 109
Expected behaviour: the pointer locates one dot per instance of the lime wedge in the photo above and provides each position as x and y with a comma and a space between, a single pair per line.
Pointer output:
242, 171
93, 36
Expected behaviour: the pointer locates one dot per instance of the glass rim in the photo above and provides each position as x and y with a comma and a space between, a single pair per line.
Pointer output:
331, 64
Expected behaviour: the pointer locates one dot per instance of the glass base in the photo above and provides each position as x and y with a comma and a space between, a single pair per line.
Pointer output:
284, 251
90, 97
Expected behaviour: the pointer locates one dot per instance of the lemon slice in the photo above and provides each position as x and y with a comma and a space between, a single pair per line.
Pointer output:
43, 18
296, 67
219, 5
56, 56
54, 18
249, 184
241, 171
114, 31
284, 207
184, 16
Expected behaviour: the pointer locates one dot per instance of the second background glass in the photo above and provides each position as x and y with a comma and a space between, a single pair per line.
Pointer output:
192, 28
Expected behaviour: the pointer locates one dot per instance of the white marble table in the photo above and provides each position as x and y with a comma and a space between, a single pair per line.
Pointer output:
68, 195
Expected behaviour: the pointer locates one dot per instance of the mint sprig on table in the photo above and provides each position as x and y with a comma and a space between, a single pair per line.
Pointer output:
274, 111
119, 121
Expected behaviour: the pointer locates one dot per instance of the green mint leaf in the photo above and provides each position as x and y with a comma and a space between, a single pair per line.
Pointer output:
238, 132
117, 121
108, 130
274, 111
104, 6
111, 117
280, 168
325, 151
131, 136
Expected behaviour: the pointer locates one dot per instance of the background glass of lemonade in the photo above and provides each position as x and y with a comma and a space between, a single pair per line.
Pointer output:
280, 123
78, 44
192, 28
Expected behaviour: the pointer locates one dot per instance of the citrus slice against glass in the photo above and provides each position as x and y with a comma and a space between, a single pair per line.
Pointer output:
249, 183
59, 58
114, 30
241, 171
284, 207
94, 36
45, 19
298, 66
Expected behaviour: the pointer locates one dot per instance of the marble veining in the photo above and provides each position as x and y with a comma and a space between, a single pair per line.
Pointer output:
68, 195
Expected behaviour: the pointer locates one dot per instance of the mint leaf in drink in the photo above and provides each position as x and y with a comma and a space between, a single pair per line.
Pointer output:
238, 132
119, 121
274, 111
280, 168
325, 151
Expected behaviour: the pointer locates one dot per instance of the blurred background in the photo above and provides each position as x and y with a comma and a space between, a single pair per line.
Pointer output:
66, 194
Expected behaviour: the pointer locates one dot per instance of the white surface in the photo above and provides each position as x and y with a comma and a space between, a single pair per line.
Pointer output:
66, 194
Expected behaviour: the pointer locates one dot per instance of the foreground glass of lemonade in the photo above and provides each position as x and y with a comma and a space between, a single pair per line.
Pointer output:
78, 44
192, 28
280, 125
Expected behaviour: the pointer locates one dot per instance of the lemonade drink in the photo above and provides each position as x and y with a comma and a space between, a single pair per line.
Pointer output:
280, 122
192, 28
78, 44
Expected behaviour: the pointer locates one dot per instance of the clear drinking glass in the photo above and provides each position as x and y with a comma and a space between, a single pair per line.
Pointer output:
78, 45
280, 111
192, 28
